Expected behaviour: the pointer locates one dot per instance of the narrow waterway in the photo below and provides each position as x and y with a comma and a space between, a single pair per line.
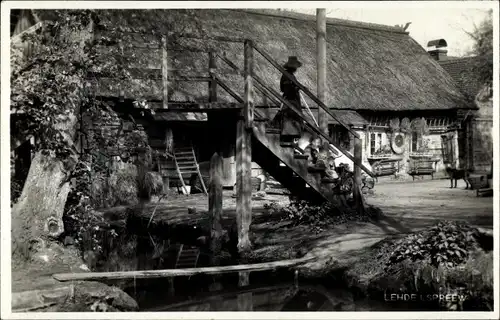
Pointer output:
266, 291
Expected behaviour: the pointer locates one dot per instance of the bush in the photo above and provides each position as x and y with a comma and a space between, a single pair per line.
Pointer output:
303, 212
445, 259
446, 243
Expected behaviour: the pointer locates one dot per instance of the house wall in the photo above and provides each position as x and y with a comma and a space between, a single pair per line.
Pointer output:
383, 138
482, 132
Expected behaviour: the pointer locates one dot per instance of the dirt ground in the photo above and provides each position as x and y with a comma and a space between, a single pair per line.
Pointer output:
408, 206
416, 204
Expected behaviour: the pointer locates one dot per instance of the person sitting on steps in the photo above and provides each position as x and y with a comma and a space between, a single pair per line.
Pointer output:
291, 123
312, 150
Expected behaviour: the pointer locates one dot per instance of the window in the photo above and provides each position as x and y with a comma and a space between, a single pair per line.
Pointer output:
372, 143
375, 143
414, 142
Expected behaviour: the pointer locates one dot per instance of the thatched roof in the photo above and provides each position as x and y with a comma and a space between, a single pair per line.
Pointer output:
370, 67
465, 76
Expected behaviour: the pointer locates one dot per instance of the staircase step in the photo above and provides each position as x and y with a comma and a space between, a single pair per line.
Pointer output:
183, 153
273, 130
287, 144
301, 156
315, 169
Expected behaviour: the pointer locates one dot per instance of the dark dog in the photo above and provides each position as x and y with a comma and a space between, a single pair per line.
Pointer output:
455, 174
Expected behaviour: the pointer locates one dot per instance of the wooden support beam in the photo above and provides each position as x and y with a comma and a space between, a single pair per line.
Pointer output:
243, 185
168, 273
215, 207
164, 71
321, 66
357, 194
212, 86
248, 108
304, 89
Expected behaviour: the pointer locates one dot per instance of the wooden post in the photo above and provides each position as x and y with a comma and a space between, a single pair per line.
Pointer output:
248, 109
244, 300
357, 194
321, 68
215, 207
164, 71
243, 185
212, 86
244, 157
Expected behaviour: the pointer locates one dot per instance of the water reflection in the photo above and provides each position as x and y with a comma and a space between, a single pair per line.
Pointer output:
276, 297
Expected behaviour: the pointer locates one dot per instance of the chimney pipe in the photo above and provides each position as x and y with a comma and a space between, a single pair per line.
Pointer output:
437, 49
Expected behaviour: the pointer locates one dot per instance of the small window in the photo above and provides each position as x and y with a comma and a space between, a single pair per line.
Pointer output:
414, 142
372, 143
379, 140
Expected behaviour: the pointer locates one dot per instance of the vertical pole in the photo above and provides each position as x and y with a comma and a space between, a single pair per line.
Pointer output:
248, 106
321, 67
215, 207
164, 71
212, 86
244, 157
244, 300
243, 185
357, 194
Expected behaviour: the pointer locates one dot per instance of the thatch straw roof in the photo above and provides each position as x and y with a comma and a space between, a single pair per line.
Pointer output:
370, 67
464, 74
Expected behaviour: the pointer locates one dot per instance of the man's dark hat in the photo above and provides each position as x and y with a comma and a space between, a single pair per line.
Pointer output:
293, 62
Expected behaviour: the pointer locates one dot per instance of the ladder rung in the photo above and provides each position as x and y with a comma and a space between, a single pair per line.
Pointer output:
184, 152
189, 172
192, 251
190, 260
184, 258
187, 167
186, 162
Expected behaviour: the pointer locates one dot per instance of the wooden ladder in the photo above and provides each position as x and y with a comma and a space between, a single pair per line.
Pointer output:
187, 257
185, 163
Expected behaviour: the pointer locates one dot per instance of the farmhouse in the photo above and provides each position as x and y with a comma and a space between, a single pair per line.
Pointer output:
381, 86
476, 140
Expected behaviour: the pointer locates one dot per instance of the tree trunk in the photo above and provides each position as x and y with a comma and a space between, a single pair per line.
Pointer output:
37, 216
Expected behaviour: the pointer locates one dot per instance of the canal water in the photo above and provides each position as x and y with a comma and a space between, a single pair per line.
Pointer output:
266, 291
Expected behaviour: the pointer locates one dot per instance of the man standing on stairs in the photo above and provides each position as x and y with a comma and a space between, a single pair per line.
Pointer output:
291, 123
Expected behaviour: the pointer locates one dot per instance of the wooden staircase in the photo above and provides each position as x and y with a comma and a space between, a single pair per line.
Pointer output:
295, 175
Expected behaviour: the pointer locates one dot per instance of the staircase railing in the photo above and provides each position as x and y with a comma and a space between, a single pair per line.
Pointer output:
271, 93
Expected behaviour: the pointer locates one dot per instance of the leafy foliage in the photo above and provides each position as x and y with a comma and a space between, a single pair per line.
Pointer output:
447, 243
48, 86
319, 216
483, 49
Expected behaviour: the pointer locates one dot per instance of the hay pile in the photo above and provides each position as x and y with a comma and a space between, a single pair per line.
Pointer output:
125, 186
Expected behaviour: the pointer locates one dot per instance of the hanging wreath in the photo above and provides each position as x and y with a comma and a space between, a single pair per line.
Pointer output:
398, 142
